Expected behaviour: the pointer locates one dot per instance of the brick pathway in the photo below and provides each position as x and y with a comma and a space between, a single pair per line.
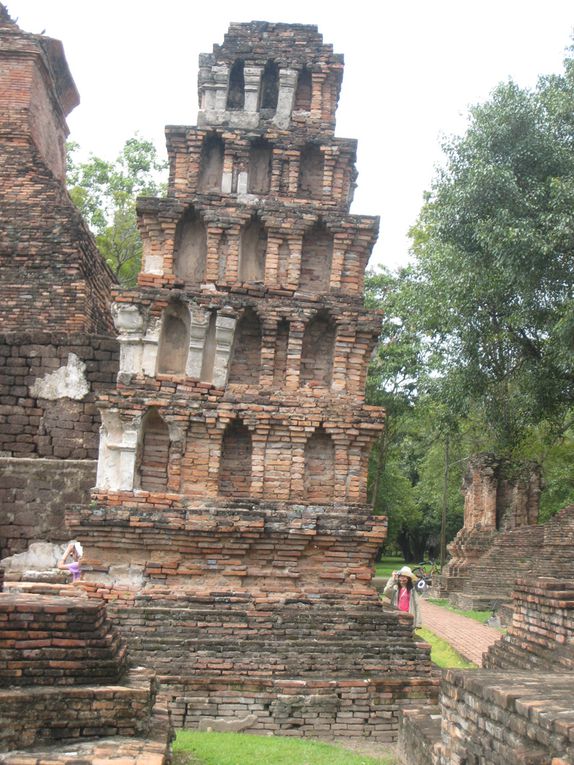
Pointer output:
467, 636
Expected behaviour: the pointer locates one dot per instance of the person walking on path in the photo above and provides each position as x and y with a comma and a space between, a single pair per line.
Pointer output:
402, 592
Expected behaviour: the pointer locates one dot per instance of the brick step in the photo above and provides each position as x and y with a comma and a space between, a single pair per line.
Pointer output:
523, 654
37, 715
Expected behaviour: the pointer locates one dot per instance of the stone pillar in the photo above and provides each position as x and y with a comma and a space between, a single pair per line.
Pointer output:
287, 87
224, 331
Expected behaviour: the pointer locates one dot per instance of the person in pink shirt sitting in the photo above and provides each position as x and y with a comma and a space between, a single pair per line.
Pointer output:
401, 589
74, 551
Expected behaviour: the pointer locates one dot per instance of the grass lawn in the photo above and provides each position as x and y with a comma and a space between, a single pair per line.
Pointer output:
479, 616
386, 566
442, 654
205, 748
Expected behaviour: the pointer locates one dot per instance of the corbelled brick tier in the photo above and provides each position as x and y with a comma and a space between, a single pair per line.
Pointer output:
57, 641
541, 636
270, 548
214, 634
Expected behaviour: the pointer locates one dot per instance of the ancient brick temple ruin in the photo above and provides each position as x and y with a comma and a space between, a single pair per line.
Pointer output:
56, 332
64, 673
229, 530
500, 538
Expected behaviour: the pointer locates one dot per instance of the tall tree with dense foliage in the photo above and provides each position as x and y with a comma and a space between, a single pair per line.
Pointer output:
493, 276
479, 331
106, 192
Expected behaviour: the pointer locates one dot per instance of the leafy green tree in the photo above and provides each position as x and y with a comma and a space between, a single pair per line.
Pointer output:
493, 276
106, 192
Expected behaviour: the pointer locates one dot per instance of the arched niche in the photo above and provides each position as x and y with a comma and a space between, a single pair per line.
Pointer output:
259, 175
270, 86
311, 171
154, 453
190, 253
316, 257
174, 339
211, 163
209, 347
235, 465
236, 87
281, 353
319, 476
304, 91
245, 364
317, 351
253, 246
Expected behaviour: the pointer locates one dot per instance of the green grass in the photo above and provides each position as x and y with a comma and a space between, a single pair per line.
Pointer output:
478, 616
199, 748
386, 566
443, 654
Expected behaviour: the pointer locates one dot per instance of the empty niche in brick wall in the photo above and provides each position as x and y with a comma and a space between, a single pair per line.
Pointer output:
174, 339
319, 467
246, 352
253, 246
235, 467
316, 256
303, 92
317, 351
311, 171
236, 87
260, 153
281, 351
270, 86
190, 248
153, 453
211, 163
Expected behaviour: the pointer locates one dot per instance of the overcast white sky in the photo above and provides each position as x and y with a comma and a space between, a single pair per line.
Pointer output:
411, 70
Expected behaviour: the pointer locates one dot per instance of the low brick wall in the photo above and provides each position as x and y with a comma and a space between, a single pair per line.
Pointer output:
541, 635
38, 715
419, 741
365, 707
57, 641
509, 718
34, 497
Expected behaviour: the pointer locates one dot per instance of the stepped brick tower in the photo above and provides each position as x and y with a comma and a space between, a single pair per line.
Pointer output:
229, 528
56, 343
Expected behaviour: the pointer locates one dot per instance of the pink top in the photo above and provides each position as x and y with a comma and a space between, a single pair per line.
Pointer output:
404, 599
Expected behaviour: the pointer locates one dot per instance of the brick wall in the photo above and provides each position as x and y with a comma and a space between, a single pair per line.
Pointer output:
34, 497
48, 387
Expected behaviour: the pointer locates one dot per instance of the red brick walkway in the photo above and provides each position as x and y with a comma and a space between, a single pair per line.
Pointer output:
467, 636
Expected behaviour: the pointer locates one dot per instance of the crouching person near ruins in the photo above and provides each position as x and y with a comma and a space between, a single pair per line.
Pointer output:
74, 552
403, 594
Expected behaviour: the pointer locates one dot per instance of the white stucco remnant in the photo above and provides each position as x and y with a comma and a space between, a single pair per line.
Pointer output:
38, 557
67, 382
117, 453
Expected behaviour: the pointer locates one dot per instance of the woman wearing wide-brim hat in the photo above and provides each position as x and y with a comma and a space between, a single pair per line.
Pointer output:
401, 589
